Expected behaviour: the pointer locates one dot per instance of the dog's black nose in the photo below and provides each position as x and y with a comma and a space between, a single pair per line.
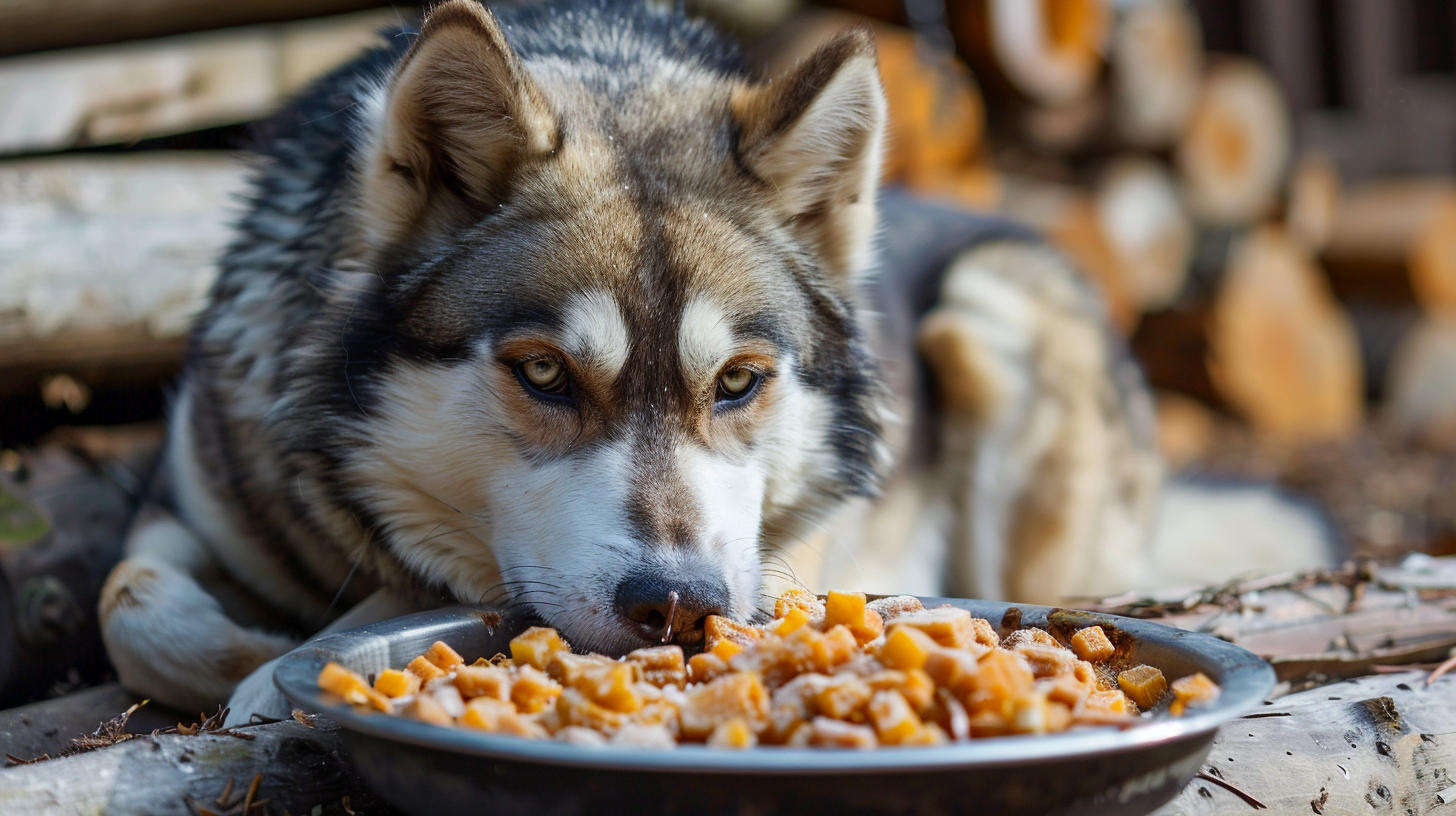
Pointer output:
667, 608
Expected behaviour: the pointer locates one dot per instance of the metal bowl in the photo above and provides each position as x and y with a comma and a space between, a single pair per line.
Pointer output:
428, 770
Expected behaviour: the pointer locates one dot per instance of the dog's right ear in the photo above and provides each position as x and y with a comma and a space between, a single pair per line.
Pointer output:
460, 116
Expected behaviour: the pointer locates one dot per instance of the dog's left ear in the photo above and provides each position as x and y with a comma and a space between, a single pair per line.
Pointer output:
815, 137
461, 117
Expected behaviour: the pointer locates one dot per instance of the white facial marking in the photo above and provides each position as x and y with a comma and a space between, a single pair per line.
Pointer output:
595, 331
705, 339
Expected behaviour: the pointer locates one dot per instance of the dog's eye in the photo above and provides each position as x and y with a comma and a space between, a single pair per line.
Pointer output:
543, 375
736, 383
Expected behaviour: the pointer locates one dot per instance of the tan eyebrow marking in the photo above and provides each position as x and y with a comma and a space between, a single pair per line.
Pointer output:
594, 331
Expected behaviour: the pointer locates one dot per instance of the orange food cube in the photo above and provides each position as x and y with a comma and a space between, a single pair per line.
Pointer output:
829, 733
717, 629
954, 669
732, 733
1191, 690
725, 649
1001, 677
1067, 690
424, 669
1143, 685
843, 696
705, 667
928, 734
573, 707
612, 687
336, 679
799, 599
395, 683
426, 708
809, 650
533, 691
792, 620
661, 665
483, 681
443, 656
740, 694
984, 633
572, 669
893, 718
535, 646
948, 626
1029, 714
987, 723
1029, 635
498, 716
1112, 701
873, 627
906, 647
847, 608
893, 607
1091, 644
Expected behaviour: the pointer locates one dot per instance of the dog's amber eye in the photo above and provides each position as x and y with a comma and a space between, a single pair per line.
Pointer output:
736, 383
543, 374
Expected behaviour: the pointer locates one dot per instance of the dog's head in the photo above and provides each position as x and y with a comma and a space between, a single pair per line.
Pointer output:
614, 334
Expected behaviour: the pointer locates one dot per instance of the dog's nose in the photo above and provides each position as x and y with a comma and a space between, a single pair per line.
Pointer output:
670, 609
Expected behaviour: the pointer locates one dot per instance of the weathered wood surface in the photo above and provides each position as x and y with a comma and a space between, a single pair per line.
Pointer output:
47, 727
122, 93
302, 767
1384, 744
36, 25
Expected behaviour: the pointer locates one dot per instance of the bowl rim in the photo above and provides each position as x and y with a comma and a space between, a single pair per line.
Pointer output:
1245, 679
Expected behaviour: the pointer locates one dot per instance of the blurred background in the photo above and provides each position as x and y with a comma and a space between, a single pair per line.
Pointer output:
1263, 190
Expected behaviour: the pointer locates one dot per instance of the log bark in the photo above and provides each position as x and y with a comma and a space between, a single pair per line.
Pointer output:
1049, 53
1157, 64
1235, 150
123, 93
38, 25
1283, 353
1151, 235
1376, 744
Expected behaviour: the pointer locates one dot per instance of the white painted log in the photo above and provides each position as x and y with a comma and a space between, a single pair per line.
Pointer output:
122, 93
1157, 63
1049, 52
1139, 210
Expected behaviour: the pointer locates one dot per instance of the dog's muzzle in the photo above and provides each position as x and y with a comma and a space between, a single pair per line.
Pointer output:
664, 607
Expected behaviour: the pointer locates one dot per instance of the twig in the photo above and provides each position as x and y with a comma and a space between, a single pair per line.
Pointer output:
252, 793
1229, 786
1446, 665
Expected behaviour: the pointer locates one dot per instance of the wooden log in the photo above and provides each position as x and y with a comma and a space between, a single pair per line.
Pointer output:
105, 260
1157, 65
1313, 202
1151, 235
1049, 52
1379, 232
1420, 389
48, 727
122, 93
1282, 352
1375, 744
1432, 260
1234, 153
303, 769
40, 26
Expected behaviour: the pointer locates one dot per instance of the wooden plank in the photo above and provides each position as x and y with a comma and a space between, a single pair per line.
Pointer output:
122, 93
1374, 744
47, 727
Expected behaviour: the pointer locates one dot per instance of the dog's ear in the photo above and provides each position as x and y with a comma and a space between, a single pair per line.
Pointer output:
461, 115
814, 136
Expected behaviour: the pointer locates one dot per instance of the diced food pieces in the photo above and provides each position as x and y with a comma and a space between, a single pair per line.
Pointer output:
894, 606
1091, 644
705, 667
954, 669
535, 646
424, 669
1001, 677
573, 707
717, 628
794, 619
444, 657
1192, 690
644, 735
800, 599
842, 697
946, 625
725, 649
426, 708
1039, 637
499, 716
612, 687
740, 694
533, 691
661, 665
569, 669
347, 684
395, 683
1047, 661
483, 681
732, 733
893, 718
907, 647
1143, 685
847, 608
827, 733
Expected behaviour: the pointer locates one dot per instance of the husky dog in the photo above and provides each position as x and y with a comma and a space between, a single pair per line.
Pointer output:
558, 306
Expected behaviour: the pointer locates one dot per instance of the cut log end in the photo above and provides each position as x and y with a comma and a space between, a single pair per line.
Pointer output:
1157, 62
1139, 212
1234, 154
1048, 51
1282, 352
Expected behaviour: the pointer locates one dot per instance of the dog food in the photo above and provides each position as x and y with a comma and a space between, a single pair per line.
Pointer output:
834, 672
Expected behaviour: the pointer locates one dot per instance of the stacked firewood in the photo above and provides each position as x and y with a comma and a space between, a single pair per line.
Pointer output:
1284, 318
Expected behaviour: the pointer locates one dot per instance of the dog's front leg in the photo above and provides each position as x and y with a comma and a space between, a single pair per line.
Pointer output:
258, 695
